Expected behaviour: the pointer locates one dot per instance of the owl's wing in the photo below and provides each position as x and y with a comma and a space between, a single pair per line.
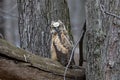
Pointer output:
66, 41
59, 46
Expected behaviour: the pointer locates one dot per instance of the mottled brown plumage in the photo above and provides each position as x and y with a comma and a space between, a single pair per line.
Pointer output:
61, 45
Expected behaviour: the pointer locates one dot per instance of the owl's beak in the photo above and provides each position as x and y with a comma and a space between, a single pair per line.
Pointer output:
58, 31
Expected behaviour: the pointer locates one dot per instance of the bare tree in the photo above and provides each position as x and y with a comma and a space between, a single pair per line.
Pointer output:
35, 17
1, 20
102, 40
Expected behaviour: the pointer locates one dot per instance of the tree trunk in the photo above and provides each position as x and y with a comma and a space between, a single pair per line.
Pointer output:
102, 40
2, 20
35, 18
23, 66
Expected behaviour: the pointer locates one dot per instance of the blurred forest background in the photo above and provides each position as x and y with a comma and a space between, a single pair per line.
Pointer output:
9, 20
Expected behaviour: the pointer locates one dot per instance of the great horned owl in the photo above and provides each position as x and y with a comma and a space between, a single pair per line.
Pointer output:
61, 45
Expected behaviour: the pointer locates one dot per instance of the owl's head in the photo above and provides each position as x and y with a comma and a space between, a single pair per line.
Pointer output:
57, 27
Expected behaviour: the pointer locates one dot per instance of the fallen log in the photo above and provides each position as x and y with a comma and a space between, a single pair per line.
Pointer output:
28, 59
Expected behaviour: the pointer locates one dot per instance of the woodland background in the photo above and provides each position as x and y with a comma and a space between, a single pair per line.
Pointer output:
101, 42
9, 20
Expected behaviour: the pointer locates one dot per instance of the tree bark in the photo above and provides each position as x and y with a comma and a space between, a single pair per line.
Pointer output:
22, 64
102, 40
2, 20
35, 18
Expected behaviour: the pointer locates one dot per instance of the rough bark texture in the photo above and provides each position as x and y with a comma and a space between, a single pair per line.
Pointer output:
2, 20
103, 40
35, 17
27, 66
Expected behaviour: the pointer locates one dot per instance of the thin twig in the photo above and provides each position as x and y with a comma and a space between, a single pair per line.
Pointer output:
112, 14
72, 55
108, 13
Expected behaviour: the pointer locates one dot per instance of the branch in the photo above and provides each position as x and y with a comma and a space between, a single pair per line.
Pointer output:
35, 61
102, 8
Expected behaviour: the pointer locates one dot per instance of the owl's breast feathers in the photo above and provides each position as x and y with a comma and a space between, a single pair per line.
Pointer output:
61, 45
65, 40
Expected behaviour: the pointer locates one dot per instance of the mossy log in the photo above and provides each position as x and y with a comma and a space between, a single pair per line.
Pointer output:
10, 52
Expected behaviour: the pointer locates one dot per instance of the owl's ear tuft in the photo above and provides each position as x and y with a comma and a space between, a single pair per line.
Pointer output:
60, 21
52, 22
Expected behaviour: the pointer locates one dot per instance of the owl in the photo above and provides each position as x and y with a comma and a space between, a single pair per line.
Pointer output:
61, 44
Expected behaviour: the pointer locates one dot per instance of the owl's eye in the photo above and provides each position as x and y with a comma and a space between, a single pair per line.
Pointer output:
53, 31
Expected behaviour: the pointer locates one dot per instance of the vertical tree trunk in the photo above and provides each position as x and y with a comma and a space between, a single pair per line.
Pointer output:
35, 18
2, 33
103, 40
